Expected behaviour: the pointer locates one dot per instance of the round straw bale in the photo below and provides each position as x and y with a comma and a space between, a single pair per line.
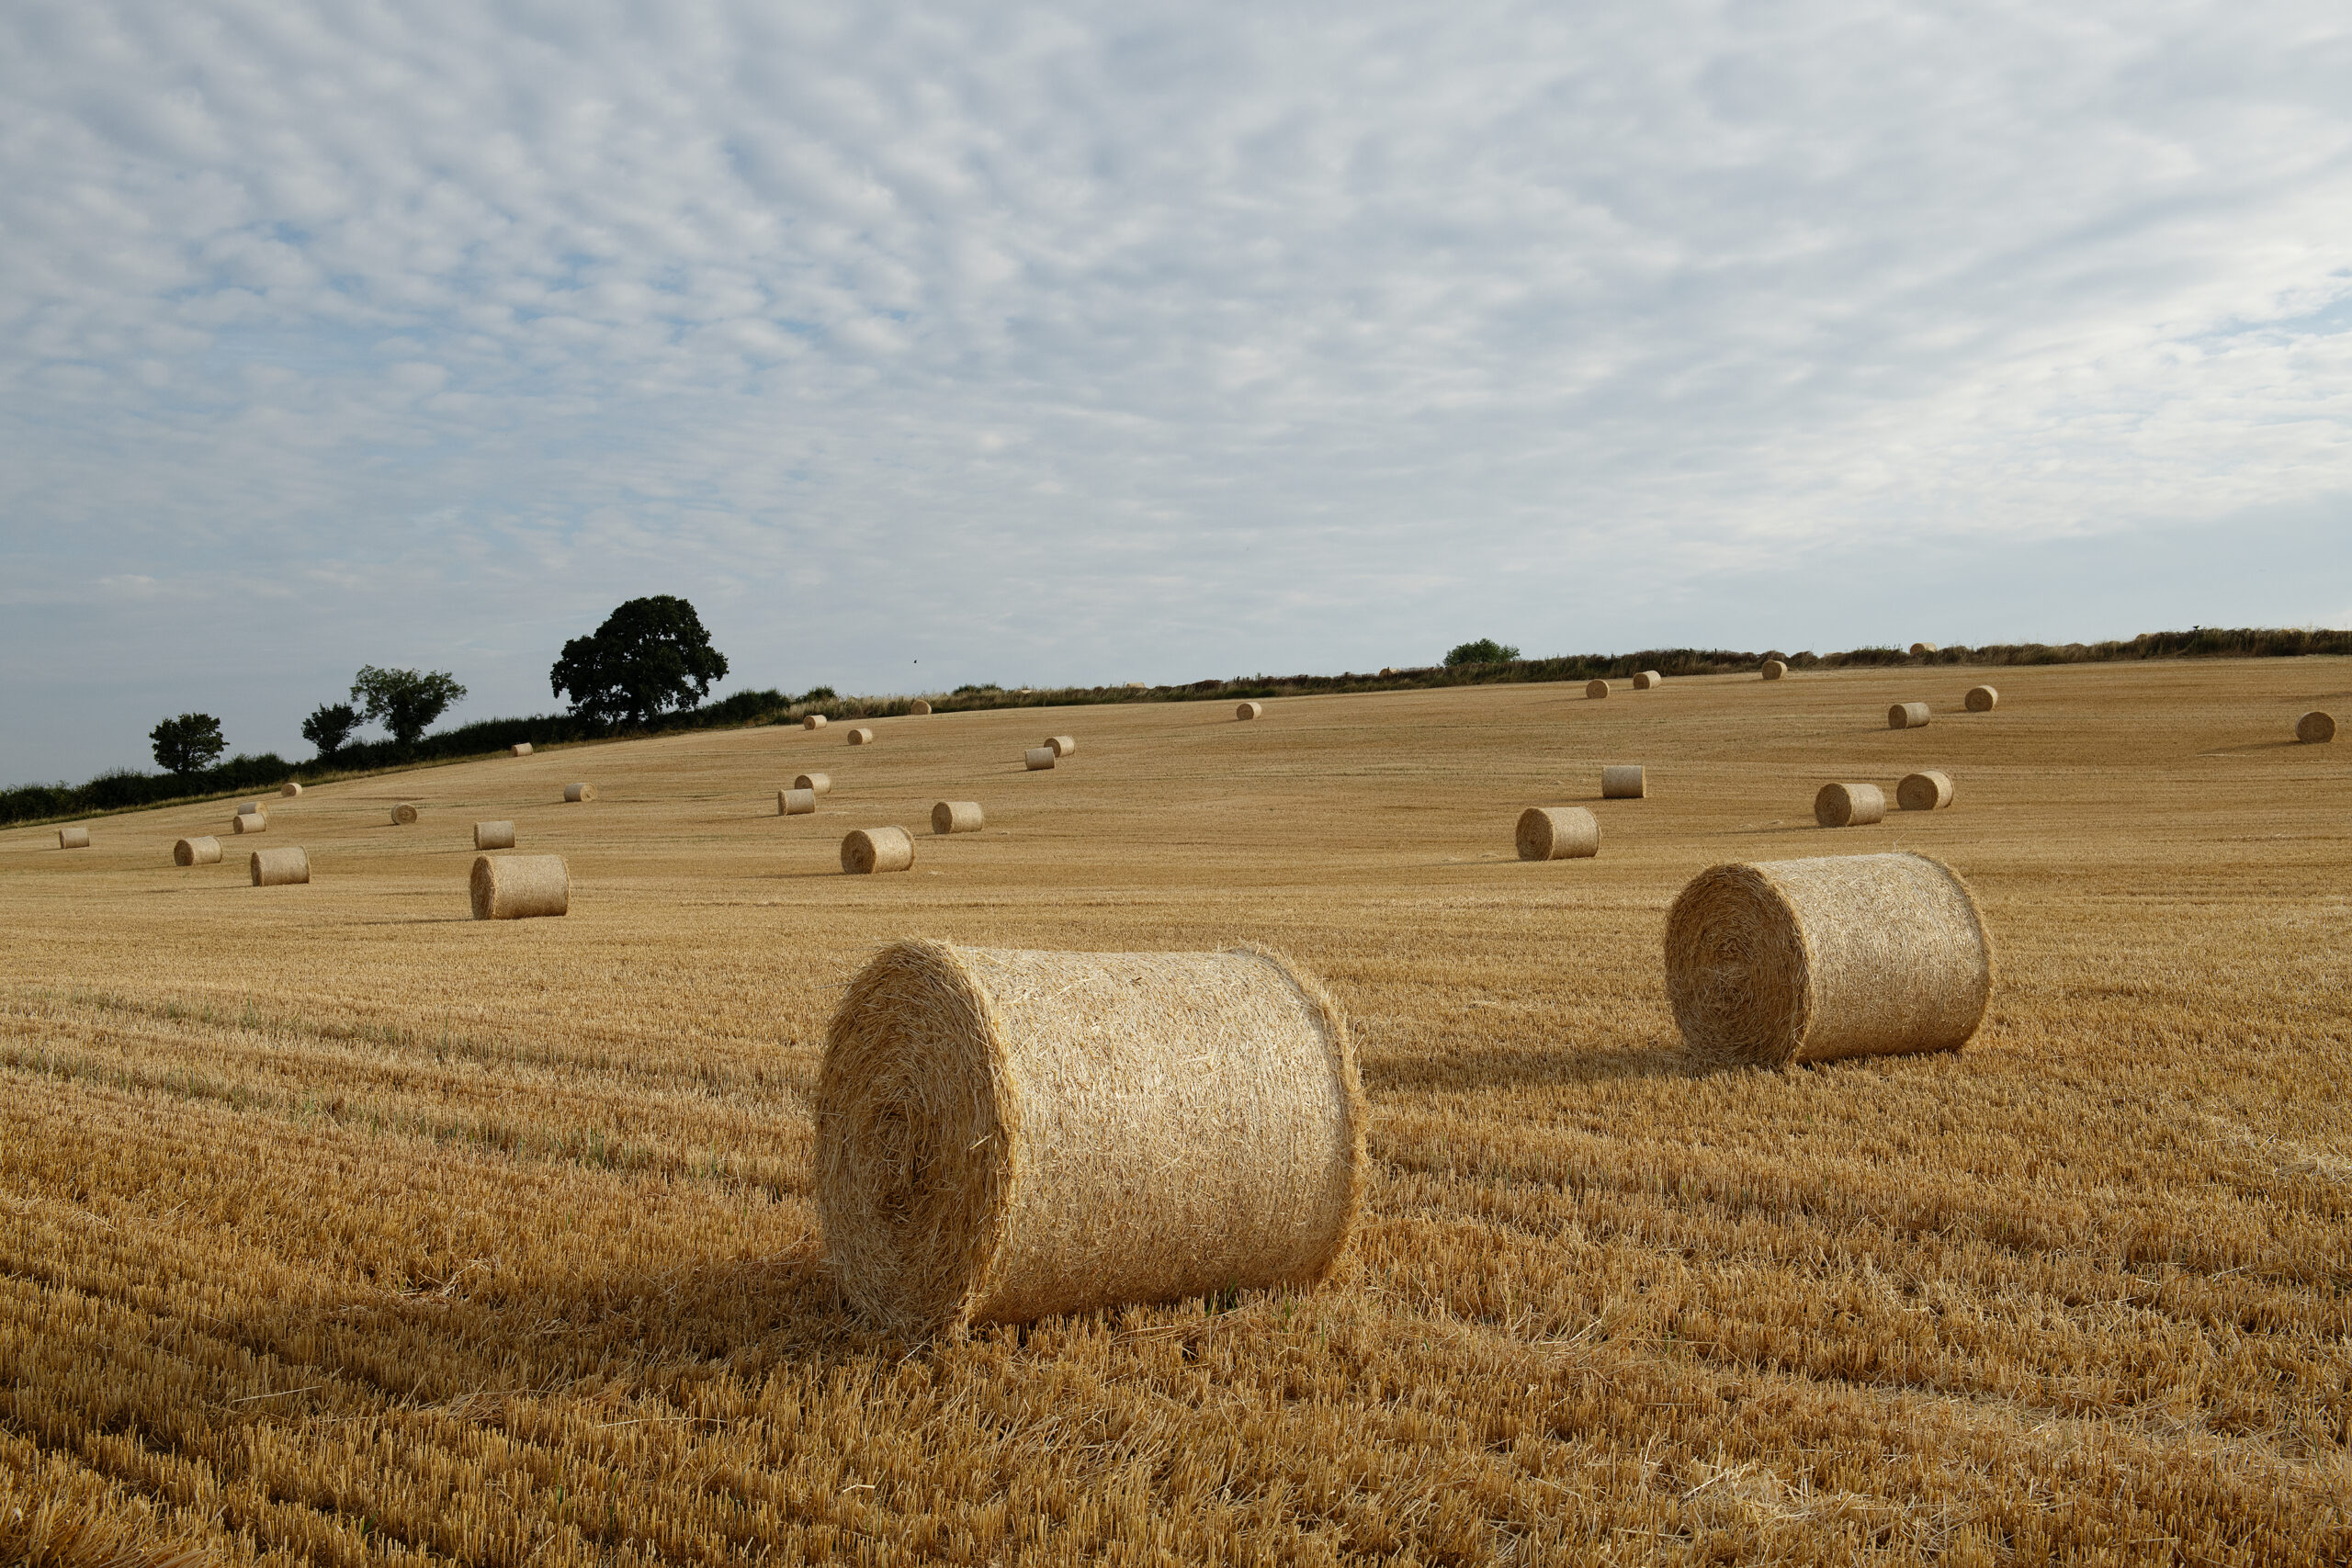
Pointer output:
1063, 745
250, 809
205, 851
1923, 647
2315, 727
878, 849
1850, 804
1387, 670
1930, 791
518, 887
813, 721
1774, 670
1983, 699
1559, 832
816, 783
1249, 710
280, 868
1647, 679
579, 792
290, 789
1625, 780
1809, 960
252, 822
494, 835
1038, 758
1595, 689
521, 748
918, 706
1002, 1137
1907, 716
860, 737
795, 802
404, 814
72, 837
956, 817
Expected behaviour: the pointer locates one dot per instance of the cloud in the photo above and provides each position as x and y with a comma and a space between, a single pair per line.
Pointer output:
1087, 343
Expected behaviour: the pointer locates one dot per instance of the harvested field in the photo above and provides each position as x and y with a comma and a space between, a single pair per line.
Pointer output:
344, 1228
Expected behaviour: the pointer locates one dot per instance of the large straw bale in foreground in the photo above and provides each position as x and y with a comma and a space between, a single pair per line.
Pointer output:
404, 814
1624, 780
795, 802
1595, 688
1038, 757
1981, 699
280, 868
519, 887
1647, 680
72, 837
1249, 710
521, 748
494, 835
1004, 1136
816, 783
1063, 745
2315, 727
1809, 960
1929, 791
956, 817
1559, 832
860, 737
1850, 804
1908, 715
205, 851
867, 849
252, 822
576, 792
1773, 669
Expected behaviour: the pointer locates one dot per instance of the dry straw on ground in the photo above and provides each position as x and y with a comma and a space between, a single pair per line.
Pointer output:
1907, 716
816, 783
956, 817
1927, 791
579, 792
494, 835
795, 802
252, 822
520, 748
519, 887
1559, 832
1624, 780
280, 868
404, 814
1773, 669
1850, 804
201, 851
860, 737
813, 721
2315, 727
866, 849
1595, 688
1249, 710
72, 837
1795, 961
1038, 757
1983, 699
290, 788
919, 707
1649, 679
1062, 745
1007, 1135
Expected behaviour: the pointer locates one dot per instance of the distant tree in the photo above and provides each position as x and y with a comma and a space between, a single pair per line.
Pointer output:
1486, 650
189, 744
403, 701
820, 694
649, 654
330, 726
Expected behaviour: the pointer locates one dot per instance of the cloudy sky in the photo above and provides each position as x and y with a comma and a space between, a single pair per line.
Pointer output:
921, 344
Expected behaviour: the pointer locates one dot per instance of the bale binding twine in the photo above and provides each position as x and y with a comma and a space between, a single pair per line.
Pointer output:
1850, 804
816, 783
1907, 716
1773, 669
956, 817
205, 851
795, 802
1930, 791
252, 822
519, 887
1624, 780
1559, 832
867, 849
280, 868
1647, 679
2315, 727
1004, 1136
860, 737
1038, 758
1809, 960
494, 835
1983, 699
1249, 710
579, 792
403, 814
72, 837
1595, 688
521, 748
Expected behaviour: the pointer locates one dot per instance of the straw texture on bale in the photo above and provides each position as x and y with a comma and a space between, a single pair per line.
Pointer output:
521, 748
1983, 699
816, 783
795, 802
290, 788
918, 706
205, 851
72, 837
1850, 804
1038, 758
1773, 669
869, 850
813, 721
2315, 727
1930, 791
519, 887
280, 868
250, 809
956, 817
1249, 710
1003, 1136
1907, 716
1559, 832
1595, 688
1624, 780
860, 737
252, 822
1810, 960
1063, 745
1647, 679
403, 814
579, 792
494, 835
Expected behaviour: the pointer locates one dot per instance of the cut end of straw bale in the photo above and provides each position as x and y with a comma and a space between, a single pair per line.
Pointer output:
252, 822
1559, 832
860, 737
1810, 960
2315, 727
1930, 791
290, 789
813, 721
519, 887
521, 748
205, 851
403, 814
1850, 804
1038, 757
1923, 647
1773, 669
72, 837
795, 802
1249, 710
1983, 699
1907, 716
1649, 679
816, 783
1061, 745
956, 817
1003, 1136
579, 792
494, 835
919, 707
868, 850
1624, 780
1595, 688
280, 868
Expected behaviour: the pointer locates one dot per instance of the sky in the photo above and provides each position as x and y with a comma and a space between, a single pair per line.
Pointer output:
926, 344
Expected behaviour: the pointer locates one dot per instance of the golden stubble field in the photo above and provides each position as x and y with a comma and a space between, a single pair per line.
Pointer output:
339, 1227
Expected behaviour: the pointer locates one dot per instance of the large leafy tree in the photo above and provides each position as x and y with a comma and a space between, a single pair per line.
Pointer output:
649, 654
329, 726
404, 701
1486, 650
189, 744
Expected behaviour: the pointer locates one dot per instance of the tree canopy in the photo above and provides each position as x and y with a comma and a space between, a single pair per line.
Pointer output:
189, 744
329, 726
1486, 650
649, 654
405, 702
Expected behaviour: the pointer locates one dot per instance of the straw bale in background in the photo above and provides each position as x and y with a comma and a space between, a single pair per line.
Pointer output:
579, 792
1923, 647
1624, 780
795, 802
956, 817
1930, 791
1595, 688
521, 748
72, 837
2315, 727
252, 822
1773, 669
205, 851
519, 887
1249, 710
1004, 1136
813, 721
878, 849
918, 706
280, 868
1559, 832
1038, 758
1063, 745
860, 737
404, 814
290, 788
494, 835
1647, 679
816, 783
1850, 804
1907, 716
1983, 699
250, 809
1809, 960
